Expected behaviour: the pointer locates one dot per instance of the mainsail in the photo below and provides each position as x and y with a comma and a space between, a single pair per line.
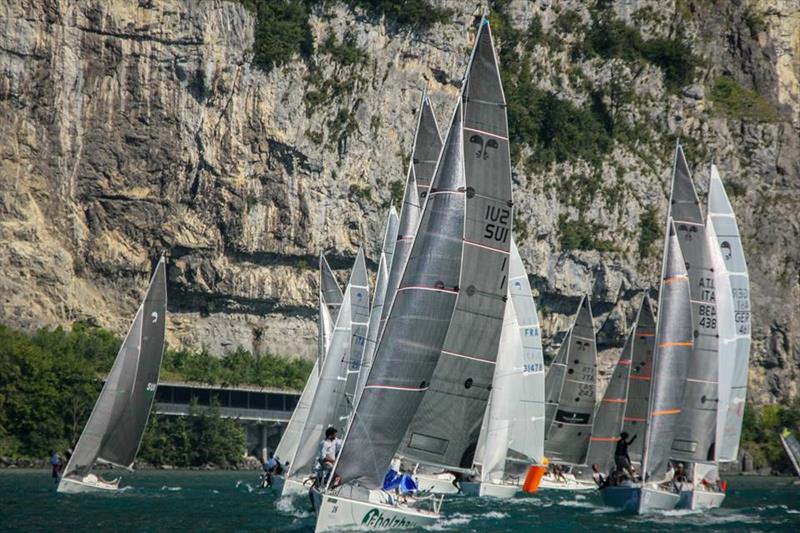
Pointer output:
331, 405
554, 381
456, 269
114, 430
570, 428
641, 373
426, 139
608, 421
674, 343
378, 299
696, 432
329, 288
446, 427
736, 339
330, 300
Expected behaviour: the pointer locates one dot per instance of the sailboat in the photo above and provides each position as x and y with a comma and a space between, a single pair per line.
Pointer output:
695, 440
792, 447
330, 300
332, 400
733, 313
674, 343
115, 428
512, 434
437, 351
569, 409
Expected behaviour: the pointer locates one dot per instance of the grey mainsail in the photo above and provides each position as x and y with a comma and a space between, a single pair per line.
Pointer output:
331, 405
569, 432
696, 433
426, 138
115, 428
641, 373
554, 381
330, 300
427, 146
290, 439
378, 299
434, 283
607, 424
674, 334
446, 427
723, 220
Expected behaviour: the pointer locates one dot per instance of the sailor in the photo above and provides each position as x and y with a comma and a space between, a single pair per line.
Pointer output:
680, 474
329, 450
55, 464
621, 458
271, 466
599, 479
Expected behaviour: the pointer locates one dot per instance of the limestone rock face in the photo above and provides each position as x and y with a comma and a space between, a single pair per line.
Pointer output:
132, 128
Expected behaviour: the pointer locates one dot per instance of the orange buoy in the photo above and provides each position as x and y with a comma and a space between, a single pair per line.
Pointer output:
533, 477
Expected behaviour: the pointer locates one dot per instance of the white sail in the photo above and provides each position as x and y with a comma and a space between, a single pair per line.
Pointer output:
729, 243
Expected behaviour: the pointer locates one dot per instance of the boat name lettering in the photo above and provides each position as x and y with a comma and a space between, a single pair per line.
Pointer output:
374, 519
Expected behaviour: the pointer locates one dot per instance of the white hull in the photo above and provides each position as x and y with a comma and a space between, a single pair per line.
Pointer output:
698, 500
91, 483
491, 490
638, 499
337, 513
572, 484
436, 484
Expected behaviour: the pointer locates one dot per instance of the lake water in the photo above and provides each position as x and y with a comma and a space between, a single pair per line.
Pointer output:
228, 501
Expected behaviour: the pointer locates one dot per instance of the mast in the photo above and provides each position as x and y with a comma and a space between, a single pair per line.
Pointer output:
737, 297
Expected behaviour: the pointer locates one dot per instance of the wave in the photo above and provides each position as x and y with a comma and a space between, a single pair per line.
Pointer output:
171, 489
286, 505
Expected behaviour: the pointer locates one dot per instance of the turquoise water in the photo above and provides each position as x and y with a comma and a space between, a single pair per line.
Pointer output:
228, 501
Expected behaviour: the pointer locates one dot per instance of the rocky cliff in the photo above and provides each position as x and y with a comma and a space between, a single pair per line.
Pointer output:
130, 128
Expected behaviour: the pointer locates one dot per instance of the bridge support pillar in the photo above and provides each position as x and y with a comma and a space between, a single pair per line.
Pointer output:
264, 443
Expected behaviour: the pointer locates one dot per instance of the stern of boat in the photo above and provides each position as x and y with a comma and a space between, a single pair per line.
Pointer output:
336, 513
91, 483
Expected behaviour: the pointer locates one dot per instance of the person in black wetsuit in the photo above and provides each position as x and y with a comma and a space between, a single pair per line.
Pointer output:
621, 458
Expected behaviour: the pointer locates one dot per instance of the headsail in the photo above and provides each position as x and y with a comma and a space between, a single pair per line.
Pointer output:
331, 405
378, 299
696, 432
674, 343
330, 300
723, 220
447, 425
554, 381
568, 435
792, 447
641, 373
115, 428
453, 270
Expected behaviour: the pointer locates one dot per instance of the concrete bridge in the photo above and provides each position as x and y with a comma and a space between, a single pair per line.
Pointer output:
264, 412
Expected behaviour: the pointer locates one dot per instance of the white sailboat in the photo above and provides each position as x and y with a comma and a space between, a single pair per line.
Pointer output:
512, 434
114, 431
674, 343
792, 447
330, 300
439, 344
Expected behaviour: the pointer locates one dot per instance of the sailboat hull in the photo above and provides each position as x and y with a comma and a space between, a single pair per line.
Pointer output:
491, 490
90, 483
639, 500
573, 484
336, 513
698, 500
436, 483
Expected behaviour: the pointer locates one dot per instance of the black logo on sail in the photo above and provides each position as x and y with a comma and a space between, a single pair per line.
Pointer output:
569, 417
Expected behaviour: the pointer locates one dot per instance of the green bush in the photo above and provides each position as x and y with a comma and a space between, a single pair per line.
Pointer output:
347, 53
582, 235
406, 13
761, 430
734, 101
649, 231
282, 31
201, 438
